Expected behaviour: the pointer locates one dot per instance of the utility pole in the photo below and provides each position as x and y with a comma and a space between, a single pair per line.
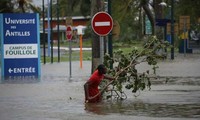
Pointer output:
58, 29
44, 33
172, 29
110, 47
95, 7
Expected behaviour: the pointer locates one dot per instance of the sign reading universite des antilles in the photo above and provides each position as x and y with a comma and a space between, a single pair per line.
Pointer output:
20, 46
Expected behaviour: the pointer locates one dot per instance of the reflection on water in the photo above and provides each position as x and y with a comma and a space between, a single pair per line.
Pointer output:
139, 108
176, 98
20, 79
177, 80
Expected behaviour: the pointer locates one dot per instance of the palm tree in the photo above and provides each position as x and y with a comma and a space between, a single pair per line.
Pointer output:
21, 5
73, 7
145, 5
15, 6
132, 8
6, 6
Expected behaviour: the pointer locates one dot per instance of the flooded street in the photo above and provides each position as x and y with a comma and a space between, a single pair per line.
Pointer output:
62, 99
56, 97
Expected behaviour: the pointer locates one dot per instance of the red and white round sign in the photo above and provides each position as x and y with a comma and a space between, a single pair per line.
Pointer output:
102, 23
69, 32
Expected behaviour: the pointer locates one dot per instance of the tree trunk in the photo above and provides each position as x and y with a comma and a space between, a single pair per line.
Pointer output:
21, 5
95, 7
157, 11
150, 16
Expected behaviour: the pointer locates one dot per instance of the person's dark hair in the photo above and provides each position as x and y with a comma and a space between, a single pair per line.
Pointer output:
101, 68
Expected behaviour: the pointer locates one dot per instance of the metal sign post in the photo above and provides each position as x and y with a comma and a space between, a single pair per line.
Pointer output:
81, 51
184, 30
101, 49
70, 60
80, 33
184, 22
69, 37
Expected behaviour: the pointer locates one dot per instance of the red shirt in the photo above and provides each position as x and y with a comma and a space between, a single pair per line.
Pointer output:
95, 80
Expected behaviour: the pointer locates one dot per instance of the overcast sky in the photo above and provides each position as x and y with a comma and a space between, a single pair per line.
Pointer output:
39, 2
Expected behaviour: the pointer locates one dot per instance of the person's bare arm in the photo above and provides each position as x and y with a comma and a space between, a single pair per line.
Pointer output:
109, 78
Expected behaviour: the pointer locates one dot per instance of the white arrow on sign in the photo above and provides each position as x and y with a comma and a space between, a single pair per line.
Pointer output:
10, 70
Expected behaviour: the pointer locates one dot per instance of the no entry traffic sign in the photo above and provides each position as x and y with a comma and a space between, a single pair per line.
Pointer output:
69, 32
102, 23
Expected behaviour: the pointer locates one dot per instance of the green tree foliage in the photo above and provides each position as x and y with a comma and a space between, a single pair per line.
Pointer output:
125, 71
6, 6
73, 8
127, 14
189, 8
85, 4
17, 6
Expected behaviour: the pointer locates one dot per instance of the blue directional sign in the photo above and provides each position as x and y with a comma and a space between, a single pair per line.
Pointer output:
162, 22
148, 28
20, 46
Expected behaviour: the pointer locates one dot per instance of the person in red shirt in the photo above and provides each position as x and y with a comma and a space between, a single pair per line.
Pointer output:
92, 94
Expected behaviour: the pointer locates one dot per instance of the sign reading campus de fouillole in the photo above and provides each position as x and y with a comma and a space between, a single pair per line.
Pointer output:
20, 45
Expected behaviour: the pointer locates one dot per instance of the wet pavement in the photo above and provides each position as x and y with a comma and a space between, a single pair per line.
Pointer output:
175, 95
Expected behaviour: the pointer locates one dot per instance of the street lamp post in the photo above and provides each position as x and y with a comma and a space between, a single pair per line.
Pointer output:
58, 29
172, 26
172, 29
110, 48
44, 33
